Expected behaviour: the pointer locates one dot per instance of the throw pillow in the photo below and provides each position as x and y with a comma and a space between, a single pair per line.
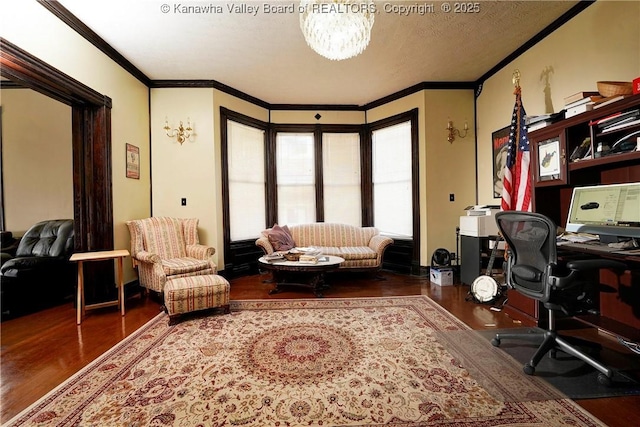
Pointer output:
280, 238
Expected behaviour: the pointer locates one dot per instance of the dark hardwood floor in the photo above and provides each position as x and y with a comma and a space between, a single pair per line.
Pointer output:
41, 350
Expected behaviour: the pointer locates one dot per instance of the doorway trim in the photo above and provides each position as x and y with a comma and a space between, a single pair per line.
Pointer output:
91, 139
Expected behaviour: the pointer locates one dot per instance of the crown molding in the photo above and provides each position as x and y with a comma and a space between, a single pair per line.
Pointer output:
315, 107
158, 84
417, 88
10, 84
311, 107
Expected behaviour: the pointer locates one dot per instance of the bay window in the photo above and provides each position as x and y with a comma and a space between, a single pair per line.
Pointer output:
361, 175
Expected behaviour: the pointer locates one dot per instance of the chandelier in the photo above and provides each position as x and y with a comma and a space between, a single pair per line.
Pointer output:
337, 29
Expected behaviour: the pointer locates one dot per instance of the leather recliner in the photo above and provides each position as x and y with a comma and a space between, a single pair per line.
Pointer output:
40, 274
9, 245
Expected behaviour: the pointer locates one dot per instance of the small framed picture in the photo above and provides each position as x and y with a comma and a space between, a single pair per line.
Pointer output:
549, 158
550, 164
133, 162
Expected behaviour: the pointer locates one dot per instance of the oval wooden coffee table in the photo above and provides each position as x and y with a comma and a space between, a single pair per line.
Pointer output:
285, 271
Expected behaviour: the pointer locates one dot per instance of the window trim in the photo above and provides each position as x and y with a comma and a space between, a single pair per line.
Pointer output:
411, 116
227, 115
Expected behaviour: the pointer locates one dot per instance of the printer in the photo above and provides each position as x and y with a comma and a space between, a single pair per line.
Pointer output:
479, 221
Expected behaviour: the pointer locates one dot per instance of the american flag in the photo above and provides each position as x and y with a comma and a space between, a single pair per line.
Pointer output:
516, 181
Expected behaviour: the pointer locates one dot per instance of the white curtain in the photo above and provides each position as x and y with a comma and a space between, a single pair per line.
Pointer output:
246, 154
341, 178
392, 189
295, 163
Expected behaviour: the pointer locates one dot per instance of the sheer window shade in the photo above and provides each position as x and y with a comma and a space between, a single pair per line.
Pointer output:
341, 177
296, 178
392, 188
246, 154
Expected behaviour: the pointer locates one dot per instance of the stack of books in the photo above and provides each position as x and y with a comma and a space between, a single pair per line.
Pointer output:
538, 122
580, 102
309, 259
617, 121
308, 255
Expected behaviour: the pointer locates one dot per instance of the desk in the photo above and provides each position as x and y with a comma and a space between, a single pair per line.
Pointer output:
80, 257
619, 296
618, 300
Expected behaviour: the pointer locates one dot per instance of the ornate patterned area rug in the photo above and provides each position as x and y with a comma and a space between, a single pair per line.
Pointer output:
333, 362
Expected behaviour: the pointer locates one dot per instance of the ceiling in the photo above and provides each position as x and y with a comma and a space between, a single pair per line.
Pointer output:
265, 55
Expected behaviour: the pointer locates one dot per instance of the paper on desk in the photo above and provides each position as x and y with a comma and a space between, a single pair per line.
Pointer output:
577, 237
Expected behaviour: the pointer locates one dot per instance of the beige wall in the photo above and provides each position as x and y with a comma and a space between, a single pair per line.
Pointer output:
37, 159
601, 43
36, 30
185, 170
450, 167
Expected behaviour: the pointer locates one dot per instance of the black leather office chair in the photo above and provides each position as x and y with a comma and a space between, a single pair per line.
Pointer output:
532, 269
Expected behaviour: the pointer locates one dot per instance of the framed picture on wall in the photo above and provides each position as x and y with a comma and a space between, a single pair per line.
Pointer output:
499, 142
133, 162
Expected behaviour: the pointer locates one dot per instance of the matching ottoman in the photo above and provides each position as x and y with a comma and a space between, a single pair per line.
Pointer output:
193, 293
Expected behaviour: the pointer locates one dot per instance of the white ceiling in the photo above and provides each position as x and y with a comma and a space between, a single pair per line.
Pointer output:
266, 56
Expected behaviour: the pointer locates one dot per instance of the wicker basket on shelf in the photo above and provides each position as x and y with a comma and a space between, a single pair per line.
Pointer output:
608, 89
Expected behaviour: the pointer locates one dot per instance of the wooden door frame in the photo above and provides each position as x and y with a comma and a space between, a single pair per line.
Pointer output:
91, 139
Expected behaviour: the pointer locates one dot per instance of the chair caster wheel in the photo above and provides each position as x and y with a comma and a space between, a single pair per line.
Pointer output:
495, 342
604, 380
552, 354
528, 369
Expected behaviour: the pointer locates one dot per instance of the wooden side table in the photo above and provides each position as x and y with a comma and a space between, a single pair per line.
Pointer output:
118, 256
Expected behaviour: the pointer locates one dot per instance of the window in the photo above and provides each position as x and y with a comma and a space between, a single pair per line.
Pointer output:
296, 183
392, 179
341, 178
246, 177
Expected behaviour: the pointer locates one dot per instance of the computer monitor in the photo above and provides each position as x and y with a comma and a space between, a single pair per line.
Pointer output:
606, 210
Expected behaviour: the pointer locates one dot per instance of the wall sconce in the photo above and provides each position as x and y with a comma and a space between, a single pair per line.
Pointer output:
181, 133
453, 131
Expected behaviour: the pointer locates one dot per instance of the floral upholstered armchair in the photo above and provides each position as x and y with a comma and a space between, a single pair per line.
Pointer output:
165, 248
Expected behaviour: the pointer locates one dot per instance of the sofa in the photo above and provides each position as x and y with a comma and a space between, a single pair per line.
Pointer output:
361, 247
40, 274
